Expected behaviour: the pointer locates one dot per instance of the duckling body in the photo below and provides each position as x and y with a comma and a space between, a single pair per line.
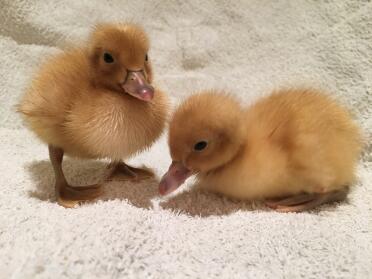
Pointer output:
89, 121
299, 149
301, 142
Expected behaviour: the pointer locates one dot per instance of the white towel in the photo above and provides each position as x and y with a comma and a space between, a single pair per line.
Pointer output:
247, 47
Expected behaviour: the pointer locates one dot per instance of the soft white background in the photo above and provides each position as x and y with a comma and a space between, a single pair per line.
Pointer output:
247, 47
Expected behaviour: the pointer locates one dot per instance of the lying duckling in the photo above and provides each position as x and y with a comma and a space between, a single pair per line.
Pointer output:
295, 149
96, 101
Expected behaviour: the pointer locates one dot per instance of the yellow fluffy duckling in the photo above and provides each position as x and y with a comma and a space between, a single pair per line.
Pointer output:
296, 149
96, 101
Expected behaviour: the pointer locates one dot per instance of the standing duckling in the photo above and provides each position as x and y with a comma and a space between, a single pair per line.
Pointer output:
96, 101
295, 149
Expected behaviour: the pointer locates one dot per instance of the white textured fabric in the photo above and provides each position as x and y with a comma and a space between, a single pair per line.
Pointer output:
248, 47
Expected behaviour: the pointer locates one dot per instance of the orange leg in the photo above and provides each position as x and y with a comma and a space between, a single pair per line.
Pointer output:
129, 172
69, 196
303, 202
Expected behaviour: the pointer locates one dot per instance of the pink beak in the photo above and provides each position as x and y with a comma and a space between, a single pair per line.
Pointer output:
137, 86
174, 178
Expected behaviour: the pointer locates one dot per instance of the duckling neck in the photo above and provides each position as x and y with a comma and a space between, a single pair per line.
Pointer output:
240, 150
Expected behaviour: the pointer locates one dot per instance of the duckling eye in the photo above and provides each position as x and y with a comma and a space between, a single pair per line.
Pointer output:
200, 145
108, 57
146, 58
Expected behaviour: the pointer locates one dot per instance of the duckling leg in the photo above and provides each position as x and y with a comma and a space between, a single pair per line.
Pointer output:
120, 168
293, 200
69, 196
305, 201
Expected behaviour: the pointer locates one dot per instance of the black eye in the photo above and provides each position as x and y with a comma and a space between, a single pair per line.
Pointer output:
200, 145
146, 58
108, 58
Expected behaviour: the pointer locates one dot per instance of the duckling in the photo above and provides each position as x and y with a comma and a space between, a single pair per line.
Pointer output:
96, 101
296, 149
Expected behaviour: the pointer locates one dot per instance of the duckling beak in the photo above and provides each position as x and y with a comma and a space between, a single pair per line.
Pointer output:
137, 86
174, 178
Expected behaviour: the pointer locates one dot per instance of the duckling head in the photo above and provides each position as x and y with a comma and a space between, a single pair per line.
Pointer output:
119, 59
205, 133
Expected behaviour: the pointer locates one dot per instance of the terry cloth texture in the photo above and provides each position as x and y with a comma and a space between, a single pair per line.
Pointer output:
246, 47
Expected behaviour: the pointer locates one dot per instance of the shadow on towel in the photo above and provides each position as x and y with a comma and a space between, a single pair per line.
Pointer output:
197, 202
201, 203
85, 172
